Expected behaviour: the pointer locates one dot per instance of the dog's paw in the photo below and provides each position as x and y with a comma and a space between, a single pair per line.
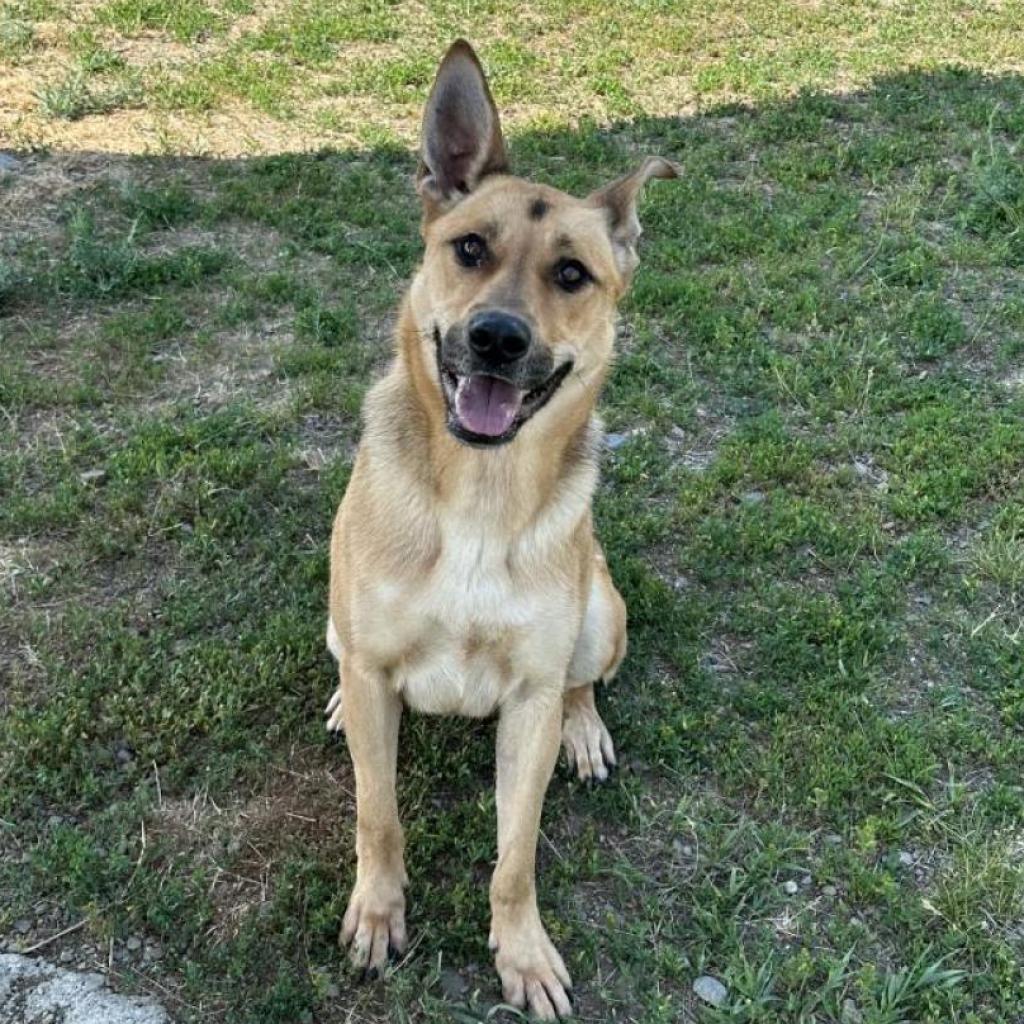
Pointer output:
374, 925
587, 744
533, 976
333, 711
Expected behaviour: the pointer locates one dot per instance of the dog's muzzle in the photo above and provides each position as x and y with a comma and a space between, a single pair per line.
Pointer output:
494, 377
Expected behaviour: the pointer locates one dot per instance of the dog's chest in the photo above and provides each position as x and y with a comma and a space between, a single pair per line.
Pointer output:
470, 631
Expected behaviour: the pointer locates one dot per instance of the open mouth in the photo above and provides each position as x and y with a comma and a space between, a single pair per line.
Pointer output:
485, 410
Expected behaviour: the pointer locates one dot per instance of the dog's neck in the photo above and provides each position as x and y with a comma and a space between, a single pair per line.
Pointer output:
516, 483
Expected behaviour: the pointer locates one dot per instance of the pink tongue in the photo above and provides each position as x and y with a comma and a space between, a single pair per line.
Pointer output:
486, 405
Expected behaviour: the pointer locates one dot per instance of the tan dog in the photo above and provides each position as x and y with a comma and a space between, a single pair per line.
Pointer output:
465, 577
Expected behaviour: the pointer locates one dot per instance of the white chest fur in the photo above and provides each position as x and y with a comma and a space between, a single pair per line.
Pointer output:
495, 605
470, 631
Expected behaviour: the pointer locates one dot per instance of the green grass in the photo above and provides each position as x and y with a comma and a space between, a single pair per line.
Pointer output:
316, 71
817, 522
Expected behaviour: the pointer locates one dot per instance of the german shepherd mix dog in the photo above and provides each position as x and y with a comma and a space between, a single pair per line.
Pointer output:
465, 576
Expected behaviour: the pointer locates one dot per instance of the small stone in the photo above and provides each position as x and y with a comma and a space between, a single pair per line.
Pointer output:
710, 990
453, 985
67, 956
850, 1013
906, 859
805, 880
134, 944
753, 497
615, 441
93, 477
790, 888
829, 890
8, 163
153, 951
23, 926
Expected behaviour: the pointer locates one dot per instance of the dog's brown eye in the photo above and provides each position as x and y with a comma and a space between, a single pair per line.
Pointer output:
470, 250
571, 275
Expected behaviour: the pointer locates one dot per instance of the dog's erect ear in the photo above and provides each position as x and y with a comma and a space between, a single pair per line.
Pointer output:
461, 136
619, 201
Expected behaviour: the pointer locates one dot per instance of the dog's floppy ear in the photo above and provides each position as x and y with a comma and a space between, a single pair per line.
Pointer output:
461, 135
619, 201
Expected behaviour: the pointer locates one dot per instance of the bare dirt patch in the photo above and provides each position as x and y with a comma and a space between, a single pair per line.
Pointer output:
309, 797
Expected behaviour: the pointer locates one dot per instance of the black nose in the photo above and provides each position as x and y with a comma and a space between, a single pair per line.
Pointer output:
498, 337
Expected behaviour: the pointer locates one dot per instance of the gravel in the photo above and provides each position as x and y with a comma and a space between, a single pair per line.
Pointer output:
34, 991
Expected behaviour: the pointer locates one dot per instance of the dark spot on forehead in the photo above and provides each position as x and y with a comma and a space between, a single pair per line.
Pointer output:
538, 208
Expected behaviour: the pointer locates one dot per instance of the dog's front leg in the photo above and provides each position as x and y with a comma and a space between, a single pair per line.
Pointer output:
375, 919
532, 973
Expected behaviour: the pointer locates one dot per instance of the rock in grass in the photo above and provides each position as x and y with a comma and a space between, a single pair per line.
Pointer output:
93, 477
851, 1015
790, 888
710, 990
613, 442
453, 985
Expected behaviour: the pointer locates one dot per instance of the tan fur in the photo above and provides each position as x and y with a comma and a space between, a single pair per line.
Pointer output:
469, 582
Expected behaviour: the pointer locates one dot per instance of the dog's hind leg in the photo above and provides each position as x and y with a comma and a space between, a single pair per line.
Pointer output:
600, 648
587, 743
334, 711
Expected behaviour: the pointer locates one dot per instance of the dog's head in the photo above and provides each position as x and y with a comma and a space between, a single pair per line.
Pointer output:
515, 301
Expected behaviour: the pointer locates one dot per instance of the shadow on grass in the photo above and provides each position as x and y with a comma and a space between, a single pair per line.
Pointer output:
813, 388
